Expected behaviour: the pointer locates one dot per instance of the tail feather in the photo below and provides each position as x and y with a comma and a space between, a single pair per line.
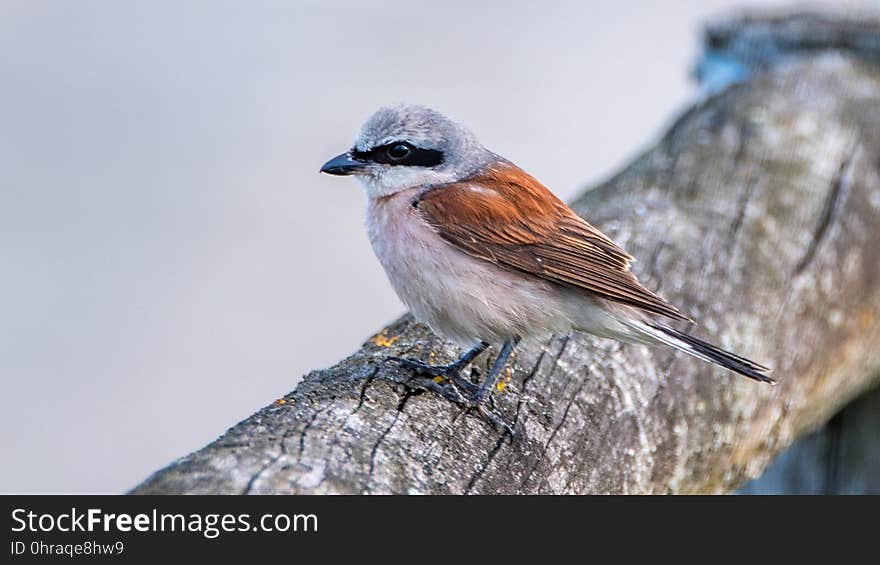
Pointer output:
705, 351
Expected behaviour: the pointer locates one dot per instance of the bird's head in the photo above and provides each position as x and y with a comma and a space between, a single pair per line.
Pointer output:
410, 146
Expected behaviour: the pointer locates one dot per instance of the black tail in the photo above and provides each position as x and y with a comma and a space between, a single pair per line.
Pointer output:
706, 351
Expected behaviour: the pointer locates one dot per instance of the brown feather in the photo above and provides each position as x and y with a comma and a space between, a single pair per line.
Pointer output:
508, 217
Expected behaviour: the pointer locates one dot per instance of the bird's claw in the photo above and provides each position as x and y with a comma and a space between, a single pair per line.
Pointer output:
451, 372
419, 367
497, 420
456, 389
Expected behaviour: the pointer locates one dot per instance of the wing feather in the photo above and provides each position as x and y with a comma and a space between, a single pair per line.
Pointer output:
508, 217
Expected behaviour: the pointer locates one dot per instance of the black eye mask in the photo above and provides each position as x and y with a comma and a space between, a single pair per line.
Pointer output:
400, 153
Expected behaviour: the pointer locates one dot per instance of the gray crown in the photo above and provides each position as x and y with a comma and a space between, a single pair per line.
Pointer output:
427, 129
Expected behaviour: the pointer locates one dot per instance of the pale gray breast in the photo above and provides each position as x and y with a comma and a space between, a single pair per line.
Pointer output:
460, 297
414, 257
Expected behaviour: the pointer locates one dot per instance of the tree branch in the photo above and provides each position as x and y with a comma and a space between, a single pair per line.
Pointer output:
758, 213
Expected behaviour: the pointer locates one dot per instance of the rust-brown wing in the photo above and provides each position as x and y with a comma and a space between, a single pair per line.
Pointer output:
508, 217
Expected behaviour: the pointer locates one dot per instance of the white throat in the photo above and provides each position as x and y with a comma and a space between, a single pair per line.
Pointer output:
395, 179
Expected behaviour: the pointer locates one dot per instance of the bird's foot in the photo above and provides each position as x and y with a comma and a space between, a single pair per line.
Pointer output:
455, 388
498, 421
451, 372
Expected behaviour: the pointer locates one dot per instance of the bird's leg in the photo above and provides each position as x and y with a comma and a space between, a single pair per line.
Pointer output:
451, 371
470, 395
492, 378
479, 399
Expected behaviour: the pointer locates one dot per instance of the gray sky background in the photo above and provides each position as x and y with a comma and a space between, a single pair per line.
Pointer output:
170, 259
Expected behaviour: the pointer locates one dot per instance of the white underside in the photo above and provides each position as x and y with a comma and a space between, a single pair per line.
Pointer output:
465, 299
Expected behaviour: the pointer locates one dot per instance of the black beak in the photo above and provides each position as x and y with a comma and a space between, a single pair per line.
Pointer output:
342, 165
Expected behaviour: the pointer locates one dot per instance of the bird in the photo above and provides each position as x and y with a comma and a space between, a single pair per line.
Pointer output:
485, 255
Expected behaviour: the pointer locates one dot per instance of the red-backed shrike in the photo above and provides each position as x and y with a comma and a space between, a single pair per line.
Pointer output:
484, 254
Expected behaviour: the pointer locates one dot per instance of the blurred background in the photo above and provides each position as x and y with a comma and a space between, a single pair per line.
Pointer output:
170, 259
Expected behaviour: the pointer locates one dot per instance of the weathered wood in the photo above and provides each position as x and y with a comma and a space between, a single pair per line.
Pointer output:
758, 213
842, 457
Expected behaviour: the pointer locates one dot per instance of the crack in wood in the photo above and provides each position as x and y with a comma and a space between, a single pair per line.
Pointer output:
258, 474
741, 206
839, 185
523, 395
305, 430
367, 382
540, 457
482, 470
400, 406
556, 429
283, 451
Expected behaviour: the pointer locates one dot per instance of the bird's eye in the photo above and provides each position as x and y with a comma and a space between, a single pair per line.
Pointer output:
398, 151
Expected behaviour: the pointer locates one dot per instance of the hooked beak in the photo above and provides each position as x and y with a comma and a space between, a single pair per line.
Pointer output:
342, 165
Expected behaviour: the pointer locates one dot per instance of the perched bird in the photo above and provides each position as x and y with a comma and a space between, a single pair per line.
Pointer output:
484, 254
